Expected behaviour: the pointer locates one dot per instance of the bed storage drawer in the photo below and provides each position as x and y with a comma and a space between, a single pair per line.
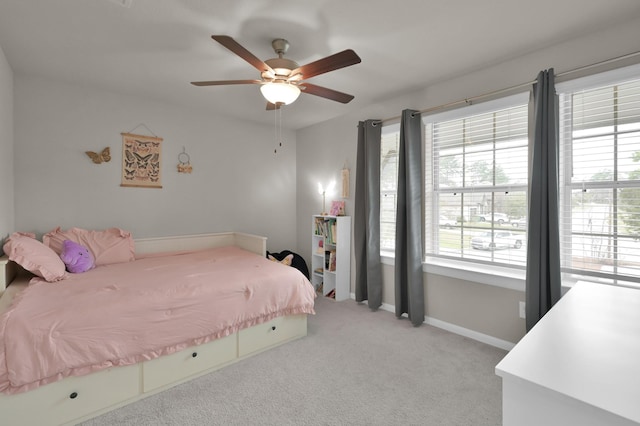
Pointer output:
278, 330
71, 398
181, 365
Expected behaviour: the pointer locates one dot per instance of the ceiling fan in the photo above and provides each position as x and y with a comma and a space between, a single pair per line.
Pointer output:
281, 79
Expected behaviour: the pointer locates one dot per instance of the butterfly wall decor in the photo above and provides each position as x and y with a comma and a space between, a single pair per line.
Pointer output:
103, 157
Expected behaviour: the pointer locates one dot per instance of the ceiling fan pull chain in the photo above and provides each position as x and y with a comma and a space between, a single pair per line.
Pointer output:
280, 126
275, 126
277, 121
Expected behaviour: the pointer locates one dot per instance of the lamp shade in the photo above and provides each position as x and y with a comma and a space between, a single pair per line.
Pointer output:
280, 92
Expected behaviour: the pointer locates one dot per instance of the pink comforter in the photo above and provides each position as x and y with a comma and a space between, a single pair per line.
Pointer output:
125, 313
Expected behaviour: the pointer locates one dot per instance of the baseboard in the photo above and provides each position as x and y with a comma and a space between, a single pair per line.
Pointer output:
475, 335
462, 331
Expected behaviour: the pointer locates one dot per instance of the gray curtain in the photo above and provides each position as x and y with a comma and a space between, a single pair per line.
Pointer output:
543, 252
366, 226
409, 287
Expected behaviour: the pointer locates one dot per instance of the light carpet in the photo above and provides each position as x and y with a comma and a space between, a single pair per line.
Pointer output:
355, 367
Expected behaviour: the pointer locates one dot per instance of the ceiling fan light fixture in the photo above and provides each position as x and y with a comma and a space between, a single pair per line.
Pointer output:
280, 92
282, 79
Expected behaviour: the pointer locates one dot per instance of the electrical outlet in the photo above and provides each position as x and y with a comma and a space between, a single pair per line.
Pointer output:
522, 310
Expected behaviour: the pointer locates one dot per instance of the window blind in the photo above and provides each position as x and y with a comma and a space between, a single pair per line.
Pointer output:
600, 166
476, 180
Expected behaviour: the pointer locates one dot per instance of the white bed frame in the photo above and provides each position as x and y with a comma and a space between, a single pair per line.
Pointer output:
78, 398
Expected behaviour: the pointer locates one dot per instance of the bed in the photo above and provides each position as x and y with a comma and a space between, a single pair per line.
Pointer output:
42, 392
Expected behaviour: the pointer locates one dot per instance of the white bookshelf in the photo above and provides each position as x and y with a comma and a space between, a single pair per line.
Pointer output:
334, 237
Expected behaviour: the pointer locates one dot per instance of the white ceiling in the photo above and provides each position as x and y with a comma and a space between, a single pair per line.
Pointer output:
155, 48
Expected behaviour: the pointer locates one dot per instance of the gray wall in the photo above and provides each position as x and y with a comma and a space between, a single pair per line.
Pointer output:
6, 149
322, 149
238, 183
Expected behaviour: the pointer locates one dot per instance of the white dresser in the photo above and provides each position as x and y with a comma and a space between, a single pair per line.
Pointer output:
580, 365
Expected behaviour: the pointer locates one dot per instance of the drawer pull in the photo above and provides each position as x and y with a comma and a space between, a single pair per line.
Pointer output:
273, 328
73, 395
195, 354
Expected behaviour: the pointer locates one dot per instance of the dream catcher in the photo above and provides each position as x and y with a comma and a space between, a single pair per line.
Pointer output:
184, 162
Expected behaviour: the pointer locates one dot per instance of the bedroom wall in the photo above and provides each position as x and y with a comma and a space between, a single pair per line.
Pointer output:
479, 308
6, 149
238, 183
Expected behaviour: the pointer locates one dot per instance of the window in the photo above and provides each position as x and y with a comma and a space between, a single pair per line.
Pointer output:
388, 186
600, 178
476, 182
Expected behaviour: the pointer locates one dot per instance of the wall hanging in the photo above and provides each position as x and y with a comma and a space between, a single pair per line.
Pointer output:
345, 181
141, 156
184, 162
103, 157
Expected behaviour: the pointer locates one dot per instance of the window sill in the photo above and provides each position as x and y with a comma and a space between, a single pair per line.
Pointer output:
512, 279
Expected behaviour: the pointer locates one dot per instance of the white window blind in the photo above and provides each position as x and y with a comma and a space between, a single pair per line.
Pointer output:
476, 184
600, 181
388, 186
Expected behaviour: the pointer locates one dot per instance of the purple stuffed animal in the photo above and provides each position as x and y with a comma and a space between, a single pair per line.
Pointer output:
76, 257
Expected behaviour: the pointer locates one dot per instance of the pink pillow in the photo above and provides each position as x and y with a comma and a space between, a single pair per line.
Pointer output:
34, 256
112, 245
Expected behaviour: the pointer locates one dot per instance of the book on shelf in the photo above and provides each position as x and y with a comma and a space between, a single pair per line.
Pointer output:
327, 228
332, 261
320, 227
334, 234
330, 231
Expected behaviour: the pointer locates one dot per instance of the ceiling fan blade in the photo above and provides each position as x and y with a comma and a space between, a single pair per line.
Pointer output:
271, 107
224, 82
330, 63
236, 48
323, 92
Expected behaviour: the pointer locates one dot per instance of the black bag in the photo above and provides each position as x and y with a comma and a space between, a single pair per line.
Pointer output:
297, 261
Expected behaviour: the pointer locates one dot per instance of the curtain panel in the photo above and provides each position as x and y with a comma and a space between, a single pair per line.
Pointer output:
409, 287
543, 281
366, 227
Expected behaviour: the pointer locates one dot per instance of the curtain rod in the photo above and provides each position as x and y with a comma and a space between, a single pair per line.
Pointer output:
519, 87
